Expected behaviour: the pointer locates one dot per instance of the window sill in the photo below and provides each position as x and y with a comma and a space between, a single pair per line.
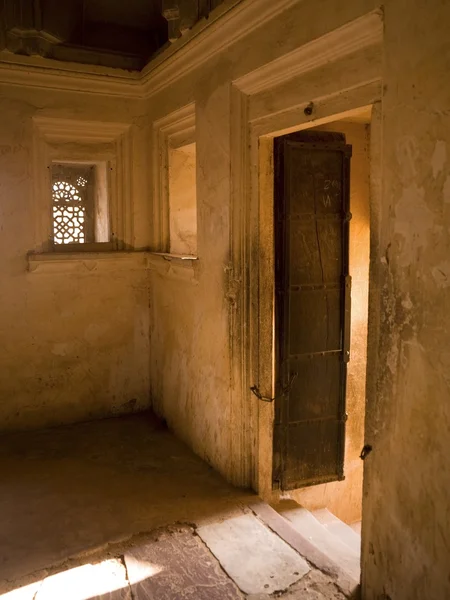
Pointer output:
170, 266
84, 248
85, 262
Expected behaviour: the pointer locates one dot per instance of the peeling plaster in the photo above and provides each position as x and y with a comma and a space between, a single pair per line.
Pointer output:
441, 274
406, 302
439, 158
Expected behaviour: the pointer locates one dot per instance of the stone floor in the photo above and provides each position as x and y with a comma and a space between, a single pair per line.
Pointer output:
120, 509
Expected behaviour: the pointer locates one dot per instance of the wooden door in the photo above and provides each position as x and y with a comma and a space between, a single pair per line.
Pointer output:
312, 307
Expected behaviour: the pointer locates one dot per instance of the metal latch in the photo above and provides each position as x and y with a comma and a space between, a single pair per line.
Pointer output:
284, 391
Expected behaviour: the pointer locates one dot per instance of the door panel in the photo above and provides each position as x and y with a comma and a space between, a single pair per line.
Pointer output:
306, 247
318, 385
315, 321
311, 306
310, 463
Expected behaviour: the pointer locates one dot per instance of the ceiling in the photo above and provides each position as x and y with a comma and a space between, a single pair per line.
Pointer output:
130, 27
136, 14
122, 33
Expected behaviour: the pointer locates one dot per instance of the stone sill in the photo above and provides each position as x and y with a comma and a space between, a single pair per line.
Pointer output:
171, 266
85, 262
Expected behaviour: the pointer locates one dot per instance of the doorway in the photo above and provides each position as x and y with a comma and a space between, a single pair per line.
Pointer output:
321, 310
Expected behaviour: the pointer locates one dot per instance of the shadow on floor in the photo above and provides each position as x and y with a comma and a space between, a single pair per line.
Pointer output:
72, 490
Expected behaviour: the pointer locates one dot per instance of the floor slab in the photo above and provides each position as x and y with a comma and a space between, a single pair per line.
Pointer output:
177, 566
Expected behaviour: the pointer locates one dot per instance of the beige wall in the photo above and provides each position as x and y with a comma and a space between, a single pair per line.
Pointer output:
192, 382
74, 342
405, 516
344, 498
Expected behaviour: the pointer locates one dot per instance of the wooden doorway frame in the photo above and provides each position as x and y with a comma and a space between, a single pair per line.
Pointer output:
292, 87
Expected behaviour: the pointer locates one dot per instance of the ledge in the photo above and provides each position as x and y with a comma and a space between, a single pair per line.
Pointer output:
85, 262
174, 266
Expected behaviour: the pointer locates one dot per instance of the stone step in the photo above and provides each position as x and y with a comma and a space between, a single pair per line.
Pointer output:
337, 551
338, 528
356, 526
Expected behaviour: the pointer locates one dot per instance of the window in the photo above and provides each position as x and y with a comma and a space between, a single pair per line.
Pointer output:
175, 183
182, 200
72, 217
79, 203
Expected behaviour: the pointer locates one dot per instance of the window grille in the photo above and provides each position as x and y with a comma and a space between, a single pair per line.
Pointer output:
73, 203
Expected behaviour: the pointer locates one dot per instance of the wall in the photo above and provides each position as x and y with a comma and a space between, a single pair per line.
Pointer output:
191, 342
344, 498
74, 340
405, 506
406, 517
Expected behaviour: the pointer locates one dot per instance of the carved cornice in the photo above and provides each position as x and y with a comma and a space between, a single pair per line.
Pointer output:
352, 37
56, 75
54, 129
226, 25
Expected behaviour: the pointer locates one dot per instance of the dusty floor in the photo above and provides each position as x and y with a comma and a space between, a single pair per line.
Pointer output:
115, 510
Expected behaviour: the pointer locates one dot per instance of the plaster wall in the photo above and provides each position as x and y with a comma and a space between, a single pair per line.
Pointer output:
405, 507
75, 341
344, 498
191, 342
406, 515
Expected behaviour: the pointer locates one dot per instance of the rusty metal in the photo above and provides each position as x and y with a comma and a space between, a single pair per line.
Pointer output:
284, 391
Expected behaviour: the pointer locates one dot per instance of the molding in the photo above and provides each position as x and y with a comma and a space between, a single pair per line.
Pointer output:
207, 39
239, 291
337, 105
251, 247
62, 130
225, 25
58, 75
173, 131
85, 262
327, 80
356, 35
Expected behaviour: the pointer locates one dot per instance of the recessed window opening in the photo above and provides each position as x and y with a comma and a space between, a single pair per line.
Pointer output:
182, 200
79, 203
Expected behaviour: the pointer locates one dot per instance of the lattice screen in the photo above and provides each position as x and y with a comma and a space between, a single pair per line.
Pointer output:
72, 203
